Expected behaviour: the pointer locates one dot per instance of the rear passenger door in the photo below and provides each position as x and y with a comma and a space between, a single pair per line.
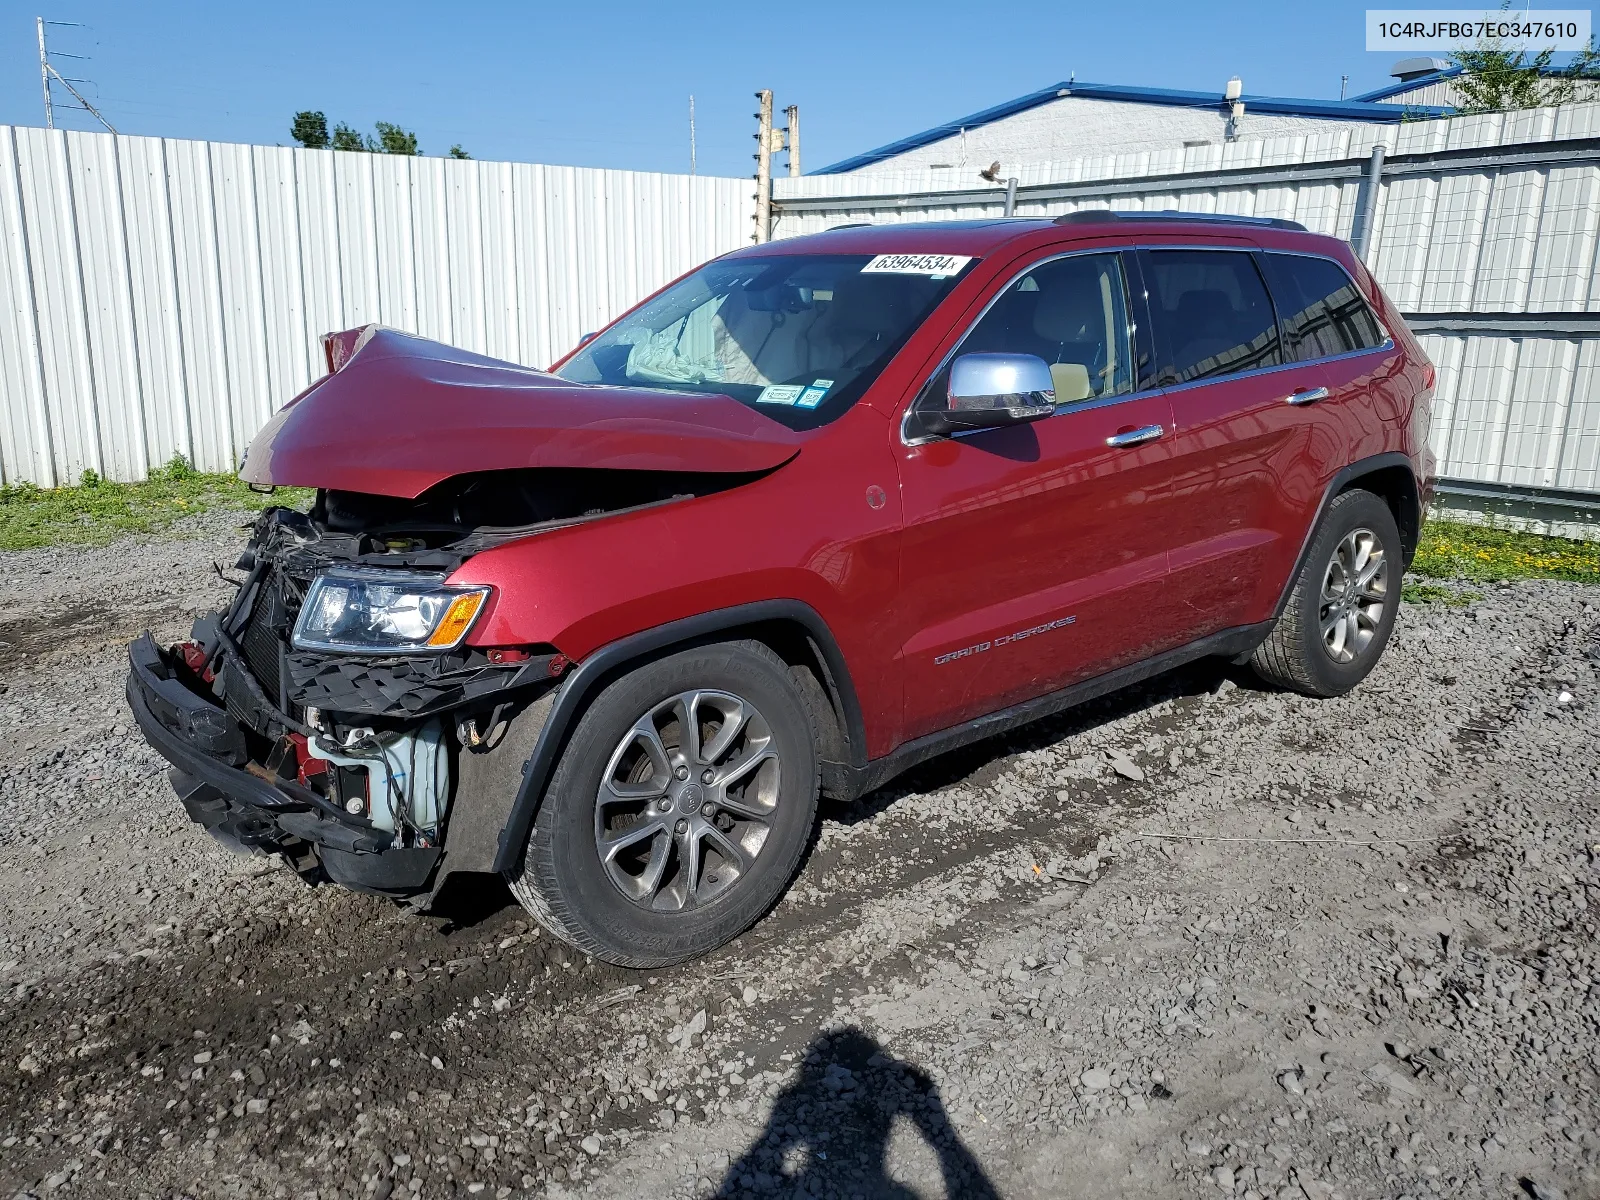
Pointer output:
1245, 457
1326, 319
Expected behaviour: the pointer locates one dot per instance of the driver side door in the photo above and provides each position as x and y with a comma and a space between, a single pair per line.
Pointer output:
1035, 556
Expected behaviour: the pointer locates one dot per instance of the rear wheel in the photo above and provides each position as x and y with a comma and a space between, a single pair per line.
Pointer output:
1343, 604
678, 811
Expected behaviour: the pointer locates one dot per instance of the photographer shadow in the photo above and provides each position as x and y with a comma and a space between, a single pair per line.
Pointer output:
840, 1115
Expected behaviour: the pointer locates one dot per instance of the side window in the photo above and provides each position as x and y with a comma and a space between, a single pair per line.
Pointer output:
1322, 311
1211, 312
1073, 313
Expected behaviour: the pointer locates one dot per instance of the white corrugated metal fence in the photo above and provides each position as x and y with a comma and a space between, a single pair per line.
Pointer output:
1486, 236
164, 297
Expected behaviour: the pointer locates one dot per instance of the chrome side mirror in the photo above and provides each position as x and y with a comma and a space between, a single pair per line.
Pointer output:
990, 390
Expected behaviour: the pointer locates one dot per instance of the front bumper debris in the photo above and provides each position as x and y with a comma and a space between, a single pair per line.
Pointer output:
243, 804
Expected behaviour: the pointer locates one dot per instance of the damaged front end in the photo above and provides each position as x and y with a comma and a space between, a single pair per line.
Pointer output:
333, 735
338, 713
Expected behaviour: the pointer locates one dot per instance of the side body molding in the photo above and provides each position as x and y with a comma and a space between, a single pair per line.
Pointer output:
586, 679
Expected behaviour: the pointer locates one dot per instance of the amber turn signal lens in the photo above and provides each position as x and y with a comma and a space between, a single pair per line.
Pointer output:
457, 619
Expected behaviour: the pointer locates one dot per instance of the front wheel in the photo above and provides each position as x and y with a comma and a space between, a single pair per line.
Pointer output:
1343, 603
679, 810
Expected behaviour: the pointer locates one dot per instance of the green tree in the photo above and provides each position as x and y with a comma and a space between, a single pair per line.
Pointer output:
457, 152
346, 138
1494, 79
310, 129
394, 140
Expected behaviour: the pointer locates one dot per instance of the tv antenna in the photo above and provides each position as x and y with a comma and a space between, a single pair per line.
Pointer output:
47, 72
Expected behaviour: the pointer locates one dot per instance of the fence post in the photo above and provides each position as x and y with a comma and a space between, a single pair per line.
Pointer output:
1361, 242
1011, 197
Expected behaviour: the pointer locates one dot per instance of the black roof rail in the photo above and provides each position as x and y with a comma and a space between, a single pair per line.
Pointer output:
849, 225
1094, 216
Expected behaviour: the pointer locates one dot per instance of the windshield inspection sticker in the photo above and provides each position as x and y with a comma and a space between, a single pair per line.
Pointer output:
813, 395
780, 393
916, 264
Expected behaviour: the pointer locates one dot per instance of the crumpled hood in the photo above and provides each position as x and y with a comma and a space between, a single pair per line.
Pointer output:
401, 413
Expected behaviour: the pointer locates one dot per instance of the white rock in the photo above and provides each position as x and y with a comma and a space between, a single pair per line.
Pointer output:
1127, 768
591, 1145
1223, 1178
1095, 1079
683, 1035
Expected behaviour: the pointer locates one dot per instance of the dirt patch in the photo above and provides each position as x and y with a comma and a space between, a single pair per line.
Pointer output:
1369, 975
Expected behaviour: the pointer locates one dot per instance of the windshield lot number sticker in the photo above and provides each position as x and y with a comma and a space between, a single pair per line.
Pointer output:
916, 264
780, 393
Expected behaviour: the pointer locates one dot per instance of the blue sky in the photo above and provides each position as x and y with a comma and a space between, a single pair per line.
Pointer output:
609, 84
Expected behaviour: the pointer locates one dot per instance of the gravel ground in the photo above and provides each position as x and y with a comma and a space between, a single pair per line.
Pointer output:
1195, 939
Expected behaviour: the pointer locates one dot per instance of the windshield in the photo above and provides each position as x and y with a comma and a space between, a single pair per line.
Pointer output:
798, 337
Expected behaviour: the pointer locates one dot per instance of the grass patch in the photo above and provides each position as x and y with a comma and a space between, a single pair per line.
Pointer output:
1414, 592
98, 511
1487, 554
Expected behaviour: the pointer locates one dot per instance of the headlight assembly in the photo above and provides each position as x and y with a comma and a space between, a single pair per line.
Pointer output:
373, 611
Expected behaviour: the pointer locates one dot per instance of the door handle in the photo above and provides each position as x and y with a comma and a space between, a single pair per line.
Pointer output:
1310, 396
1135, 437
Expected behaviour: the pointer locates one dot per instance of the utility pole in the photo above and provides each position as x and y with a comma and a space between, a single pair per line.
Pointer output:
44, 77
792, 114
47, 72
691, 133
763, 157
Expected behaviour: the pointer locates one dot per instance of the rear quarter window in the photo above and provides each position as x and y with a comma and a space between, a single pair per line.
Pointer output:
1322, 311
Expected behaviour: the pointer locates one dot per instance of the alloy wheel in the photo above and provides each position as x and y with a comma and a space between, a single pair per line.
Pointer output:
1355, 590
687, 800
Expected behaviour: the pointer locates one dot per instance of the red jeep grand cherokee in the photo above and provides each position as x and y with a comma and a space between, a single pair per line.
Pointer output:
816, 512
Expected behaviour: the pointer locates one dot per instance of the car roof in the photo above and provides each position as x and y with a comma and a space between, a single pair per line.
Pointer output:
981, 237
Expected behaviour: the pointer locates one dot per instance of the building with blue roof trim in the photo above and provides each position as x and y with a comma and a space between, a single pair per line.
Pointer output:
1074, 120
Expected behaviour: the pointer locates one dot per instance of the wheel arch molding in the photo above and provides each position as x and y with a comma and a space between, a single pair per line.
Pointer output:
1392, 477
790, 623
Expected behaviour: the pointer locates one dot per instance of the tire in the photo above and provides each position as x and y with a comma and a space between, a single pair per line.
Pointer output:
672, 883
1328, 638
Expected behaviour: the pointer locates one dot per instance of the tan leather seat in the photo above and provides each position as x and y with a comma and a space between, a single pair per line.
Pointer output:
1071, 381
1071, 326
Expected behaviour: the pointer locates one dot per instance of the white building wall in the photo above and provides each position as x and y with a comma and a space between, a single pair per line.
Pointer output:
1446, 94
1075, 127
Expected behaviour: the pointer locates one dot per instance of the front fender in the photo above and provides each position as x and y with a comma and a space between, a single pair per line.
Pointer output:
598, 668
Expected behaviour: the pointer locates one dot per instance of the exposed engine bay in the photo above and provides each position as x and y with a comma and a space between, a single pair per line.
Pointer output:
350, 763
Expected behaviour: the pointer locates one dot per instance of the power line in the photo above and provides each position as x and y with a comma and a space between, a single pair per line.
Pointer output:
47, 72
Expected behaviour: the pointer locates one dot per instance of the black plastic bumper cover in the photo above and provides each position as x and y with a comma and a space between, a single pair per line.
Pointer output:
190, 732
